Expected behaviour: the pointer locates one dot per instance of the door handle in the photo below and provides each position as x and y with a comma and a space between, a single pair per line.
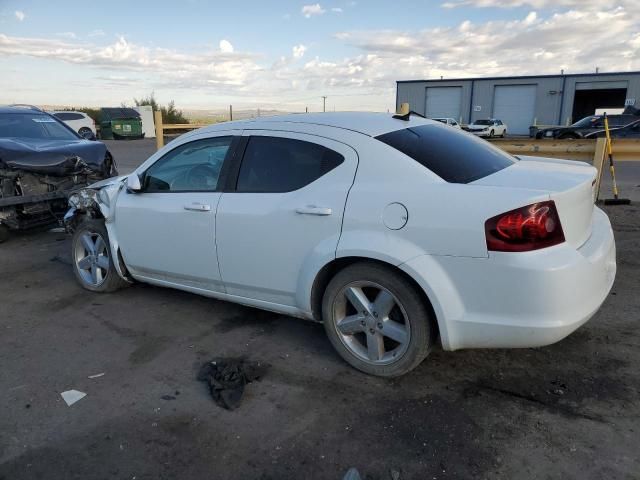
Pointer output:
313, 210
198, 207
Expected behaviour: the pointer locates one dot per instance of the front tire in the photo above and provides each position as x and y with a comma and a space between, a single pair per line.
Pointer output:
91, 258
491, 133
376, 320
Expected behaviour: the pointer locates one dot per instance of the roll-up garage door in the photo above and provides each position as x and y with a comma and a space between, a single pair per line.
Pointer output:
515, 105
444, 102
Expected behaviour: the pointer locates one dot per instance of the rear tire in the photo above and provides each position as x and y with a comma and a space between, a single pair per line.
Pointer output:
91, 258
504, 133
376, 320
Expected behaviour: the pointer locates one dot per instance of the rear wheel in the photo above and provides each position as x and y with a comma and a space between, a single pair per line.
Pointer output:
376, 320
91, 258
504, 133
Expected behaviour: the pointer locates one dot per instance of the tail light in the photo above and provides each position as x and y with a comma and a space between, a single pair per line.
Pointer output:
523, 229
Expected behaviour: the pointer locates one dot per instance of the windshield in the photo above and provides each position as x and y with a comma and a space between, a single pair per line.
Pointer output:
453, 155
483, 122
587, 122
33, 125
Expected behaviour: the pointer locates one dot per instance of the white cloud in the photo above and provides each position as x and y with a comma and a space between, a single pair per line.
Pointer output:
536, 43
225, 46
20, 15
309, 10
336, 10
299, 50
69, 35
532, 17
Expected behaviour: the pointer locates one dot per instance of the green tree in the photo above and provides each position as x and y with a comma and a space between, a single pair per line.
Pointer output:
170, 114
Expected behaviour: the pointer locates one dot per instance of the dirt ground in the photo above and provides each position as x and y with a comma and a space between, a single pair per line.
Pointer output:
571, 410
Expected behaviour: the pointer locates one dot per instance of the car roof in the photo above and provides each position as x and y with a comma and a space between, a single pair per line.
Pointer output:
25, 109
367, 123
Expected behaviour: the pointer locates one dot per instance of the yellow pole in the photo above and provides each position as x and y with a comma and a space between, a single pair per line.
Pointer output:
612, 170
157, 119
598, 162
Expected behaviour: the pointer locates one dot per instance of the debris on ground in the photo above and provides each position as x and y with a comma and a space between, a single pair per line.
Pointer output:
97, 375
72, 396
352, 474
227, 379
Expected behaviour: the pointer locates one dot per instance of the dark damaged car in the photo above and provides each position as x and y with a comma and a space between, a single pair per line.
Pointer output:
42, 162
591, 127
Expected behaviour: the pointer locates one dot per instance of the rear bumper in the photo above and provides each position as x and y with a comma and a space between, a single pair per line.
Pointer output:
513, 300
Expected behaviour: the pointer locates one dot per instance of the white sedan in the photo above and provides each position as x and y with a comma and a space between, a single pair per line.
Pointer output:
489, 127
397, 233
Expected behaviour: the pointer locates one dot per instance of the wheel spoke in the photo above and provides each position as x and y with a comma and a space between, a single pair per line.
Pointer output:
99, 245
350, 325
88, 244
375, 346
103, 262
358, 299
84, 264
395, 331
94, 274
383, 304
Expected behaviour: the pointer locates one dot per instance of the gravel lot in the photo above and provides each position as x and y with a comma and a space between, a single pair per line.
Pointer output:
571, 410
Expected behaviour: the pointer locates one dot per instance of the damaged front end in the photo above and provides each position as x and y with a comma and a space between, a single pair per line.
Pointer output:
36, 180
97, 201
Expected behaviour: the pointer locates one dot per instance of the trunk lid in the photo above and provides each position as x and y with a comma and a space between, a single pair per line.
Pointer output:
569, 184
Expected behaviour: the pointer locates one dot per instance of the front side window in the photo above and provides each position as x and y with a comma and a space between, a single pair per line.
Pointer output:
191, 167
453, 155
273, 164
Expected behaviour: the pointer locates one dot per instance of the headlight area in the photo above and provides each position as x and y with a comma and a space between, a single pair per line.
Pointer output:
83, 203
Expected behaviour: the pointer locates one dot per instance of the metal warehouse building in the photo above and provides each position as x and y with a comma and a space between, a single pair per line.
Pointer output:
521, 101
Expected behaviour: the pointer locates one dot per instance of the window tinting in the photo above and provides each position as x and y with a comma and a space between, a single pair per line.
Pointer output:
455, 156
193, 166
69, 116
273, 164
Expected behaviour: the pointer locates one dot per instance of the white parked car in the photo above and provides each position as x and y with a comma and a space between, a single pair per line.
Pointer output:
488, 127
395, 233
448, 121
78, 121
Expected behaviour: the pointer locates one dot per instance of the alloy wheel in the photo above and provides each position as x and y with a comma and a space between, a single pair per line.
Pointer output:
371, 322
92, 258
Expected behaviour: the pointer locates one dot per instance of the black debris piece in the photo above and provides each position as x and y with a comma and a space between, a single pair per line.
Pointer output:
227, 378
168, 397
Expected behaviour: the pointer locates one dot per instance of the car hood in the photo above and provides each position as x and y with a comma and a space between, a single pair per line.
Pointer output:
52, 157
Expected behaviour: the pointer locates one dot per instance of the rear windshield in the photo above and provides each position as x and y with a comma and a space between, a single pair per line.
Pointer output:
33, 125
453, 155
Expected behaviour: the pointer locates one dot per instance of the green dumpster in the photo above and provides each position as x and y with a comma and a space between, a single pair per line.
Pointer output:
120, 124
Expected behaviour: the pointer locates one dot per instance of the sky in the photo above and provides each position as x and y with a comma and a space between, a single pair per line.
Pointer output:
286, 55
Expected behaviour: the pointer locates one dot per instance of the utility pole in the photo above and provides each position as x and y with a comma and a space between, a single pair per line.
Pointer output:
324, 103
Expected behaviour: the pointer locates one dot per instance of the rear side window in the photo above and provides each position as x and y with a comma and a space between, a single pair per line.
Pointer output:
69, 116
455, 156
272, 164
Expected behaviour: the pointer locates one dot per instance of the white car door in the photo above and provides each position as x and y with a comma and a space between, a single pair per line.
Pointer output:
286, 210
167, 231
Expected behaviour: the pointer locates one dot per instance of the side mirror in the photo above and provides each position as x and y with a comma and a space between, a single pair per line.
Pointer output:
88, 135
133, 183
